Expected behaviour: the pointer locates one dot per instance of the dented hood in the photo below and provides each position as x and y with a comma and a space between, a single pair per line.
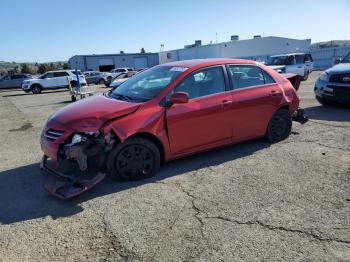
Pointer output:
91, 113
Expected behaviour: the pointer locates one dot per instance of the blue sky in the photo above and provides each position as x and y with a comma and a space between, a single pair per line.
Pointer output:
45, 30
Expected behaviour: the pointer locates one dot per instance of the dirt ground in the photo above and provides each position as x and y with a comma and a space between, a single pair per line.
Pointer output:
253, 201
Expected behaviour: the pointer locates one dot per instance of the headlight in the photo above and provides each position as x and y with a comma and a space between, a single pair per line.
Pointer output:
76, 139
324, 76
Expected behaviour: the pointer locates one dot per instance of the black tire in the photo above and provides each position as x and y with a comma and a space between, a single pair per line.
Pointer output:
280, 126
73, 98
101, 82
135, 159
306, 75
36, 89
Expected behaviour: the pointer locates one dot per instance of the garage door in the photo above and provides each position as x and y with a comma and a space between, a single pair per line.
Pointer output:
140, 62
106, 61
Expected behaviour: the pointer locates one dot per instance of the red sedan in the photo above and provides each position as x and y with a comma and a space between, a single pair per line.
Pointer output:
170, 111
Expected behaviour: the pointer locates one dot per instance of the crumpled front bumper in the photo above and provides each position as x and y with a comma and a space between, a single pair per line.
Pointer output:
73, 185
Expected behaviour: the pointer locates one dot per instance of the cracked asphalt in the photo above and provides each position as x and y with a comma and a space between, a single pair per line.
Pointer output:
253, 201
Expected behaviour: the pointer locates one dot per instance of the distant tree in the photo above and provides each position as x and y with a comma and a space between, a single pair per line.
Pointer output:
66, 66
42, 68
16, 69
122, 52
143, 50
3, 71
52, 66
25, 69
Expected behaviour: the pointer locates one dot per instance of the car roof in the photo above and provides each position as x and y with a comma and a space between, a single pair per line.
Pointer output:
208, 62
289, 54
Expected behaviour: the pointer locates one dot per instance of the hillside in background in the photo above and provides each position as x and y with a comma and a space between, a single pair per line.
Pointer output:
30, 68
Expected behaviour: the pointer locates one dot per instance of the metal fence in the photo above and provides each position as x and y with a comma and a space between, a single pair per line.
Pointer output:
325, 57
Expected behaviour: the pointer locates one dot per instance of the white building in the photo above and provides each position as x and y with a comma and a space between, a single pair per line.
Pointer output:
258, 48
107, 62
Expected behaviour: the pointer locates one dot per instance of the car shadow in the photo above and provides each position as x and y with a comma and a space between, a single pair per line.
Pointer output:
23, 198
43, 93
328, 113
10, 90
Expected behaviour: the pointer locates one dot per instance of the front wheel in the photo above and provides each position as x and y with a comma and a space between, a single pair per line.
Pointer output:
280, 126
134, 159
36, 89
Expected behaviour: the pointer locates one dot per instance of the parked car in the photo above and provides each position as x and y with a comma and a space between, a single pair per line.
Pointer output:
13, 81
168, 112
96, 77
333, 85
121, 79
53, 80
117, 71
298, 63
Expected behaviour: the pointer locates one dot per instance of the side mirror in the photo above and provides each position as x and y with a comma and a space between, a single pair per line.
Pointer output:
337, 61
178, 98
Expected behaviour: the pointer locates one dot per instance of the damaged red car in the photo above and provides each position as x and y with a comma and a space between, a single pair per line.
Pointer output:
170, 111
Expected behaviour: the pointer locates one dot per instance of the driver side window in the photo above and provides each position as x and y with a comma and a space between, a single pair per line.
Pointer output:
203, 83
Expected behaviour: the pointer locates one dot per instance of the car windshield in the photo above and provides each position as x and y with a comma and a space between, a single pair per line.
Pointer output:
280, 60
147, 84
346, 59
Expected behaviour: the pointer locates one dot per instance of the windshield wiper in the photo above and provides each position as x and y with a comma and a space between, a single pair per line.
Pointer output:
120, 96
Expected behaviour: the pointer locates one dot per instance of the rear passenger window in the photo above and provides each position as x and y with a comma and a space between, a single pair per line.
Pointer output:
246, 76
203, 83
60, 74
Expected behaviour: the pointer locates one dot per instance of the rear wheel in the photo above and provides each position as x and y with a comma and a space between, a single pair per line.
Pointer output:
101, 82
36, 89
134, 159
280, 126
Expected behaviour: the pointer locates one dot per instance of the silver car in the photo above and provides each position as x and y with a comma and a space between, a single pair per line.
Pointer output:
96, 77
13, 81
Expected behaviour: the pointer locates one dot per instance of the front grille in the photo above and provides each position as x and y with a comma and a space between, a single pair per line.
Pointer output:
340, 78
53, 134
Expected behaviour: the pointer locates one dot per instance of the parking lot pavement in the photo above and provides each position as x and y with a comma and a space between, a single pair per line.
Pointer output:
252, 201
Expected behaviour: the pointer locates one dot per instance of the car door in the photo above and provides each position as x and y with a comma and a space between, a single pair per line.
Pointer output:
48, 80
309, 62
296, 65
61, 78
96, 77
88, 77
17, 80
205, 120
5, 82
255, 97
